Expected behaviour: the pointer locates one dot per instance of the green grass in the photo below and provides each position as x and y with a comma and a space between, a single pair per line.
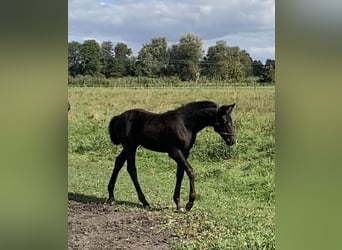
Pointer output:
235, 205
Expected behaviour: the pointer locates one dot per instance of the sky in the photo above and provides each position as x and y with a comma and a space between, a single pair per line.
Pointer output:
248, 24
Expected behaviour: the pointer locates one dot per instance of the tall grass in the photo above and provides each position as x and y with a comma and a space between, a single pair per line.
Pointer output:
235, 205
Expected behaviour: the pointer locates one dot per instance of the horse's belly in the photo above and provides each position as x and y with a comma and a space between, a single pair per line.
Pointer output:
155, 147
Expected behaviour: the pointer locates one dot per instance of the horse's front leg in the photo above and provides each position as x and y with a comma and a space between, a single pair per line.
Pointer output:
179, 179
182, 162
192, 195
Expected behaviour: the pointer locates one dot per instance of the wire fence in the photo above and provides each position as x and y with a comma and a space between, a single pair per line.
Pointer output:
162, 82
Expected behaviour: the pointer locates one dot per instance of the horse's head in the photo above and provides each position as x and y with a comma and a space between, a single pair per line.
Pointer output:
224, 124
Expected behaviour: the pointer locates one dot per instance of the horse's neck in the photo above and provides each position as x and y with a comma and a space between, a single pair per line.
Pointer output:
202, 118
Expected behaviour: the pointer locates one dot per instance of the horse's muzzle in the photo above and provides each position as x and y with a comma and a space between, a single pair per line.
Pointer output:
228, 139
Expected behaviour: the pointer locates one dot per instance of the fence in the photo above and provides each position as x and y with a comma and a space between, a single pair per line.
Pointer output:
162, 82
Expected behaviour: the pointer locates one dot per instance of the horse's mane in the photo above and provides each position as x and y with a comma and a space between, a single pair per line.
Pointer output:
195, 106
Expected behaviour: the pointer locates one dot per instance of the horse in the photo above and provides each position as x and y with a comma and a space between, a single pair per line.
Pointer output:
173, 132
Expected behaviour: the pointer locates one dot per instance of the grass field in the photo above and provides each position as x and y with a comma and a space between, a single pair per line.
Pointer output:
235, 205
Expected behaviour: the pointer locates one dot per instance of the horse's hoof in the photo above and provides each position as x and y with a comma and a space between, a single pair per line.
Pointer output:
147, 207
188, 206
110, 201
181, 210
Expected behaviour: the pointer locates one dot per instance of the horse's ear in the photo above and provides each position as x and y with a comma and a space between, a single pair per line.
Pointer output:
227, 108
230, 108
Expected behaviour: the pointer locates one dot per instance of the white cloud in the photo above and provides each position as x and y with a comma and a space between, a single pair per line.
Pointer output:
268, 50
262, 53
138, 21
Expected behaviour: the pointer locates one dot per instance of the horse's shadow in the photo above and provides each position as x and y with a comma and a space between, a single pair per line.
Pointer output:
82, 198
91, 199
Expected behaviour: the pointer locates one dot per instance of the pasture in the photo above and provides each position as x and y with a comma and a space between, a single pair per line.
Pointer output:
235, 205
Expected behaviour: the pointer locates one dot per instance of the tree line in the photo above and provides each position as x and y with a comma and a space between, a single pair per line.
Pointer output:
184, 60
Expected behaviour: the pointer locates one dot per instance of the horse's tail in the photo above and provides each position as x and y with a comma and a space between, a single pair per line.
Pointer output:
113, 124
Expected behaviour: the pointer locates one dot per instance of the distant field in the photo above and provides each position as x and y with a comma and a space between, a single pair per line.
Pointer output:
235, 205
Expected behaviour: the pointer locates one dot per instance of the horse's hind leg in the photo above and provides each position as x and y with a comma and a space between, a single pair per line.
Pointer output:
181, 160
132, 170
119, 162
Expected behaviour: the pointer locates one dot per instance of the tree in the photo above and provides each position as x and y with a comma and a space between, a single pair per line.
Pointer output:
235, 67
121, 59
268, 74
270, 62
189, 53
107, 58
172, 67
152, 57
144, 60
257, 68
246, 61
215, 63
223, 62
90, 54
74, 58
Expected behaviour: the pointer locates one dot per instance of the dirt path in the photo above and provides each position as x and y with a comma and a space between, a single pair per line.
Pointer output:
97, 226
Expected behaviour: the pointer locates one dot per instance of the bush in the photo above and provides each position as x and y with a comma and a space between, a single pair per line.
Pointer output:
173, 81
